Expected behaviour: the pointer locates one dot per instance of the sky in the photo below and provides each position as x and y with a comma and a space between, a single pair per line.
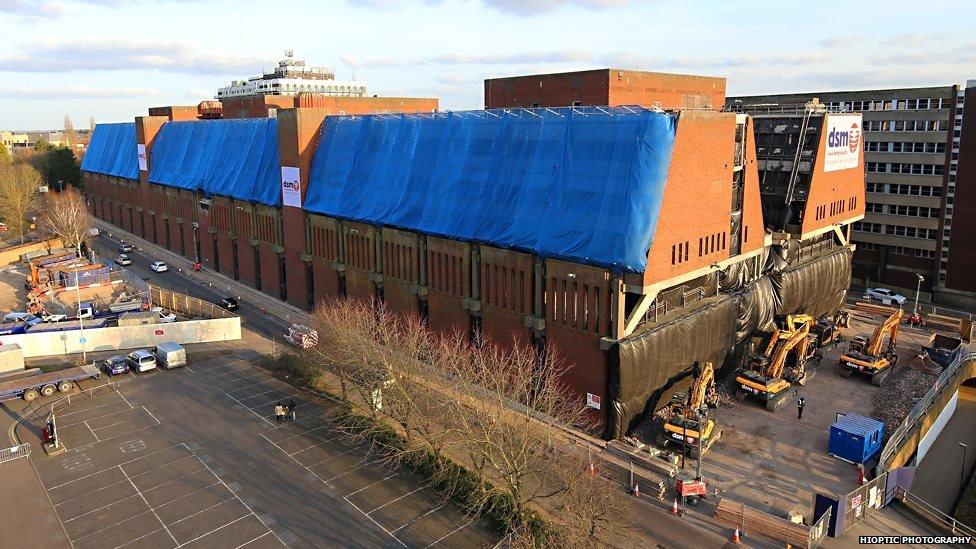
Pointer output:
112, 59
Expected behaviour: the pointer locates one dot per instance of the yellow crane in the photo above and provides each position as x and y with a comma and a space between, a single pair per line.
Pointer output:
767, 377
685, 420
876, 356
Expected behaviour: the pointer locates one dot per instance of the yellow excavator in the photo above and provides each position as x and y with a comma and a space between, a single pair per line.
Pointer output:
767, 376
685, 420
873, 357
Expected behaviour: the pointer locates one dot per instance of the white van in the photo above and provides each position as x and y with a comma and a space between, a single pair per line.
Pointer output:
141, 361
169, 354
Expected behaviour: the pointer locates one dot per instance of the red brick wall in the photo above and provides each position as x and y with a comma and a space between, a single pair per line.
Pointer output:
401, 270
359, 244
448, 283
606, 87
577, 316
324, 248
256, 106
753, 227
507, 296
175, 112
693, 225
838, 194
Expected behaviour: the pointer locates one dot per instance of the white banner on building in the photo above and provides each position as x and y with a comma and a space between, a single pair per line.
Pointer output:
844, 142
141, 150
291, 187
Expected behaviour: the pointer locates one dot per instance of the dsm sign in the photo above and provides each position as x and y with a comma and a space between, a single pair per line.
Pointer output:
844, 142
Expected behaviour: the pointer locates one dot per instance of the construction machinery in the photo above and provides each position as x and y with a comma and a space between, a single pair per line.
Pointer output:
876, 356
685, 420
768, 377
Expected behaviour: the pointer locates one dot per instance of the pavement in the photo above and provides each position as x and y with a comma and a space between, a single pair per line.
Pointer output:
28, 515
193, 457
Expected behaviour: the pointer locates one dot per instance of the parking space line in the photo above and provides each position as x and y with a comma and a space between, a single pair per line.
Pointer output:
92, 418
113, 525
283, 398
232, 371
333, 456
356, 468
151, 510
266, 420
304, 433
138, 538
114, 466
356, 507
195, 471
125, 399
371, 485
87, 410
259, 372
118, 423
248, 386
99, 509
214, 530
151, 415
246, 506
161, 505
92, 431
191, 515
316, 445
89, 445
374, 522
123, 480
445, 536
252, 541
395, 500
259, 394
438, 508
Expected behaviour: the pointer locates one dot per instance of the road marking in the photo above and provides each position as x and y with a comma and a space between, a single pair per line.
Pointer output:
125, 399
258, 394
121, 481
92, 431
161, 505
266, 420
151, 510
138, 538
445, 536
214, 530
191, 515
395, 500
362, 464
374, 521
371, 484
333, 456
118, 465
94, 418
304, 433
420, 517
89, 534
88, 410
252, 541
317, 444
100, 508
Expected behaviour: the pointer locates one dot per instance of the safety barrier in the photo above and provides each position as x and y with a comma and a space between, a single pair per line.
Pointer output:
899, 437
931, 514
31, 412
14, 452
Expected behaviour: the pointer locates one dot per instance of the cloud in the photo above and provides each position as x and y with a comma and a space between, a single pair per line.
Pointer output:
124, 55
535, 7
74, 92
450, 59
841, 41
31, 9
908, 39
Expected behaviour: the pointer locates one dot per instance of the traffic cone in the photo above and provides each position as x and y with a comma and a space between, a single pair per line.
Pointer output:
735, 536
591, 469
674, 507
636, 490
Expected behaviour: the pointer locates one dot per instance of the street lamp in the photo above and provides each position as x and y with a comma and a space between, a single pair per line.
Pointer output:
918, 290
962, 471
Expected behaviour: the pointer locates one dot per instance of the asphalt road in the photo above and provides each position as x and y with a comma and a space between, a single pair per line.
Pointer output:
108, 248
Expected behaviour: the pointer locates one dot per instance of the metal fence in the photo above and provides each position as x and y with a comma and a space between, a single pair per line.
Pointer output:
922, 407
187, 306
15, 452
932, 514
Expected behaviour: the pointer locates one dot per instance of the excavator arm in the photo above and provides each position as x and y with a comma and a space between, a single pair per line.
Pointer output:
699, 391
888, 326
778, 361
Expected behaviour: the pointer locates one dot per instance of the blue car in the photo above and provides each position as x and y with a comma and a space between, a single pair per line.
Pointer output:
115, 365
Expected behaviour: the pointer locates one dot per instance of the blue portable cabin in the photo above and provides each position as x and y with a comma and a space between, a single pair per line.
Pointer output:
855, 438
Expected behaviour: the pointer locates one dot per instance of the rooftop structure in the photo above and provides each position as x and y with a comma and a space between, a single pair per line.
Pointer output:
291, 77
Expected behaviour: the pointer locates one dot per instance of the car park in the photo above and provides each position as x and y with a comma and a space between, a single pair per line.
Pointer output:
229, 303
123, 259
159, 266
125, 248
886, 296
115, 365
141, 361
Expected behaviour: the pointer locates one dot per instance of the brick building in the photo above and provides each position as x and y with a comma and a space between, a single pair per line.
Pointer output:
543, 226
611, 87
916, 176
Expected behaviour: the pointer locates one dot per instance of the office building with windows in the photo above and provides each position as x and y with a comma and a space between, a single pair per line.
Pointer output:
914, 142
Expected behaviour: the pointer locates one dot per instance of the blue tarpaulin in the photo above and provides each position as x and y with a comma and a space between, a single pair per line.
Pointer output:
583, 185
232, 158
112, 151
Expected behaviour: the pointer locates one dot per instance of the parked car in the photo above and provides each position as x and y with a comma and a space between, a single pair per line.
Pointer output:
159, 266
886, 296
141, 360
169, 354
94, 231
22, 317
123, 260
125, 248
3, 227
229, 303
53, 318
115, 365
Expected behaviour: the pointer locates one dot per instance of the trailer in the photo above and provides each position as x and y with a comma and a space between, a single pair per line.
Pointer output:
68, 325
11, 328
88, 309
29, 388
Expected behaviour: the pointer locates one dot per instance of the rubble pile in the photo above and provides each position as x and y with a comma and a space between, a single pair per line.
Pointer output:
903, 388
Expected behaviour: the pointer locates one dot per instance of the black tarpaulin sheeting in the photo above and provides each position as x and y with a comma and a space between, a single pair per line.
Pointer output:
647, 363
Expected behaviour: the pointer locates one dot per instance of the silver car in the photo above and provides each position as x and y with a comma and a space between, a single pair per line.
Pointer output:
141, 361
886, 296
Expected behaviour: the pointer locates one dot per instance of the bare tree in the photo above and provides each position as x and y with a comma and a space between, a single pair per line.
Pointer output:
67, 217
69, 132
19, 188
592, 508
